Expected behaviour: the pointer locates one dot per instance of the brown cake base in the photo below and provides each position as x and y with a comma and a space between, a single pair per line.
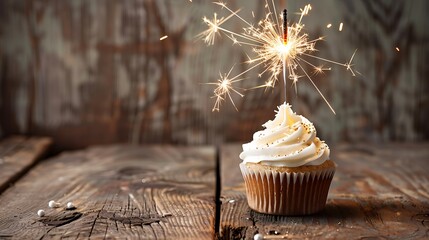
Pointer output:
287, 191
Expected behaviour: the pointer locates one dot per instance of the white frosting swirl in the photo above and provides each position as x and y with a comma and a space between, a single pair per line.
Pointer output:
289, 140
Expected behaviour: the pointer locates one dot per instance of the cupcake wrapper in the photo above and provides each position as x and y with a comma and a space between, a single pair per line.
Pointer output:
283, 193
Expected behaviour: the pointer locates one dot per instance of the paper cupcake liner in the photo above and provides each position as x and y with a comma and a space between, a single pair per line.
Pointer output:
283, 193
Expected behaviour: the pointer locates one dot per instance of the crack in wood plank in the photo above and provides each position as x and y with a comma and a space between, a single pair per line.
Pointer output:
133, 221
60, 219
96, 218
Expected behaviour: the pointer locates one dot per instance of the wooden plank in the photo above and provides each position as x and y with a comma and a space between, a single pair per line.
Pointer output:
17, 155
120, 192
377, 191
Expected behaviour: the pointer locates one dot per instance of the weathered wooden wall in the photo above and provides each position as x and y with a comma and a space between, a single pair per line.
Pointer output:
91, 72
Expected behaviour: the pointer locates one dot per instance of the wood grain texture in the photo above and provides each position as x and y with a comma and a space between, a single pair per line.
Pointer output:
17, 155
120, 192
378, 191
95, 72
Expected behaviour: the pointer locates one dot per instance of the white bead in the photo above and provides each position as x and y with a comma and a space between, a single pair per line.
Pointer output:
258, 236
70, 205
41, 213
53, 204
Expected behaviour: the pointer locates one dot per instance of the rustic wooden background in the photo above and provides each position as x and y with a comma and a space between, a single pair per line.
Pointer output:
94, 72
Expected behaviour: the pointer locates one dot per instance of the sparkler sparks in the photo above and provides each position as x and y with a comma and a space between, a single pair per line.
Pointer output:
214, 28
224, 88
275, 50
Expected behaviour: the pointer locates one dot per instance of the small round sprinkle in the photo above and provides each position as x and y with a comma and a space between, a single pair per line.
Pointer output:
70, 205
258, 236
53, 204
41, 213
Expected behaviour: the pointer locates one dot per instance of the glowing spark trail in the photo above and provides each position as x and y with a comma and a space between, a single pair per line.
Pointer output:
224, 87
275, 49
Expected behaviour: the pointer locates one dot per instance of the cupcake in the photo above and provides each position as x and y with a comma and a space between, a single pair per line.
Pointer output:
286, 168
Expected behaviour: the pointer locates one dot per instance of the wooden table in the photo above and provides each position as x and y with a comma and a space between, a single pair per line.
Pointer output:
167, 192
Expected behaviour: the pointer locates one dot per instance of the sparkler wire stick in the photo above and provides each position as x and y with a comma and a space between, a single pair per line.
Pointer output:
285, 26
284, 57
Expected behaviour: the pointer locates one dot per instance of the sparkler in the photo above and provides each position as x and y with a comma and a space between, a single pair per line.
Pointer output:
276, 49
